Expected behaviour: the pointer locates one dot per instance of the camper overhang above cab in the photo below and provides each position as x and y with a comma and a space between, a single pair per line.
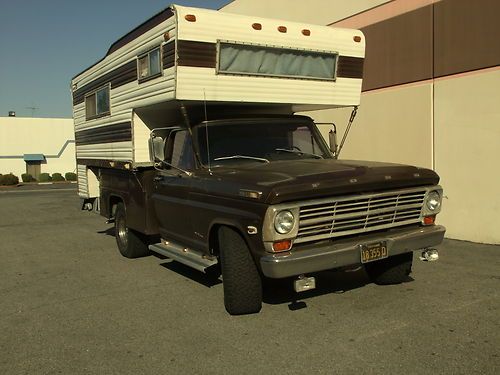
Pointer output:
236, 58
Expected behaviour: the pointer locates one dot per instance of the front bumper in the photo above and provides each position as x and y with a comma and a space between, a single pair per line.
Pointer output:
339, 253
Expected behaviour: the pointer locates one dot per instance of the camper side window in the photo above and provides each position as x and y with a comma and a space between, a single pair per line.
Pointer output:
149, 65
97, 103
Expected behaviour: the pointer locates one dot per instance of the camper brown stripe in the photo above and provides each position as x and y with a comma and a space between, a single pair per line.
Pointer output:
104, 163
199, 54
120, 132
168, 55
350, 67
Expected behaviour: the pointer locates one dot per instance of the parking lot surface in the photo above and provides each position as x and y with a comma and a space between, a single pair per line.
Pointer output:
70, 304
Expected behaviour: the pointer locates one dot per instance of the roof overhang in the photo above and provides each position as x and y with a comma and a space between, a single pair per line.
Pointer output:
33, 157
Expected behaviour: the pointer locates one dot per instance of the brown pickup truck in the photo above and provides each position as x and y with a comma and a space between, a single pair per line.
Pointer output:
265, 197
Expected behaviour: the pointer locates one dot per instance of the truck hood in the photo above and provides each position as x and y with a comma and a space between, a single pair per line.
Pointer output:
282, 181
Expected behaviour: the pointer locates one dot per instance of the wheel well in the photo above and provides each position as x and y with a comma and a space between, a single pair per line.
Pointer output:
113, 201
213, 238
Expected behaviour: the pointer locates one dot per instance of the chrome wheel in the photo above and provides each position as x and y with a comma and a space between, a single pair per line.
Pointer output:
122, 230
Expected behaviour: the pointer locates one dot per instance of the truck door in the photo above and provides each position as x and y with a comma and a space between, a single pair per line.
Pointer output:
171, 189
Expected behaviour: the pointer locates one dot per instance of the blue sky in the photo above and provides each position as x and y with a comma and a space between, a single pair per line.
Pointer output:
44, 43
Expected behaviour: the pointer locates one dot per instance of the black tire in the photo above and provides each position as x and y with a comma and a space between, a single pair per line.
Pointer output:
240, 277
130, 243
393, 270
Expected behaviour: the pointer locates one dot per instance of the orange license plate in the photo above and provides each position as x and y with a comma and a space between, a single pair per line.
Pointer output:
373, 252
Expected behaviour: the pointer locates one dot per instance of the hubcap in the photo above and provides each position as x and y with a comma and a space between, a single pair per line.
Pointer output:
122, 231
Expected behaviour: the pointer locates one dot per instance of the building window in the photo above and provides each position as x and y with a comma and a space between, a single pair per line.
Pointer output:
149, 65
97, 103
247, 59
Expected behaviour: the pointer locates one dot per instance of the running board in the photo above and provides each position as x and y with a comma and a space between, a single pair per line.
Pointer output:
189, 257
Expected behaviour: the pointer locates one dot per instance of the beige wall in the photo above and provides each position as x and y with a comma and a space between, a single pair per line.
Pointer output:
467, 142
392, 125
19, 136
301, 11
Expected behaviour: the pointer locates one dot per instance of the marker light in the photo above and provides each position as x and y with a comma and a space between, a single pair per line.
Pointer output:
284, 245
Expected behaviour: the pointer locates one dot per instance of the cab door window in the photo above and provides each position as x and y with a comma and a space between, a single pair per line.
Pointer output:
180, 150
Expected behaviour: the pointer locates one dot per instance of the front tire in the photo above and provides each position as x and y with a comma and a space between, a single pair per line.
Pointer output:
241, 279
130, 243
393, 270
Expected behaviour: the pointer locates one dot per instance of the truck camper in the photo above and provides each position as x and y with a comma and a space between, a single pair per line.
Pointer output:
187, 139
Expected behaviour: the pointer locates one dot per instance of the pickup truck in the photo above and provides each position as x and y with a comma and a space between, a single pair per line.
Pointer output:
264, 197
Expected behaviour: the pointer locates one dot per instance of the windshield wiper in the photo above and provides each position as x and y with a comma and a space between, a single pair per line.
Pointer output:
298, 152
242, 157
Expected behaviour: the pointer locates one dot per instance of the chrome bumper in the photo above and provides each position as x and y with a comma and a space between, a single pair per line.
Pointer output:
339, 253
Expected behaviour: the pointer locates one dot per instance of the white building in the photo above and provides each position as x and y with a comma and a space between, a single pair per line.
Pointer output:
36, 145
430, 94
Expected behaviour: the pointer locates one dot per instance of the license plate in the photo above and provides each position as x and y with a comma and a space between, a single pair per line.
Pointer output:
374, 251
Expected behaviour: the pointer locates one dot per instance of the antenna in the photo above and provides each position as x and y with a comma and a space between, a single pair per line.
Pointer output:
206, 129
33, 109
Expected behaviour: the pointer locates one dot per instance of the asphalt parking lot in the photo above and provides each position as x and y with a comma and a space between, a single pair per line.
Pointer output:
70, 304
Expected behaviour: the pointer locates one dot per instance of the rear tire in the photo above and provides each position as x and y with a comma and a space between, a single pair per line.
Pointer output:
393, 270
241, 279
130, 243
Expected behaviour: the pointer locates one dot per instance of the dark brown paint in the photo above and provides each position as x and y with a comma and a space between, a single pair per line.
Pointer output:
168, 54
199, 54
120, 132
350, 67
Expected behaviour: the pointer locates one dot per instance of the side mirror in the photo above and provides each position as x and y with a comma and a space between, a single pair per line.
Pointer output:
332, 138
157, 148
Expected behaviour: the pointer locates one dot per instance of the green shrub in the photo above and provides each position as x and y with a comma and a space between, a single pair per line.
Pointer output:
70, 176
26, 177
44, 177
57, 177
9, 179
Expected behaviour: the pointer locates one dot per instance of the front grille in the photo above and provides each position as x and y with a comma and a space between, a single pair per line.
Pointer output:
359, 214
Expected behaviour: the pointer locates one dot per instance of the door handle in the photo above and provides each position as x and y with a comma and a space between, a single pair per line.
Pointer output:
158, 178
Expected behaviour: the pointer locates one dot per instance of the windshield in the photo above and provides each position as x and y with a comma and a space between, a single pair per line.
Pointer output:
258, 142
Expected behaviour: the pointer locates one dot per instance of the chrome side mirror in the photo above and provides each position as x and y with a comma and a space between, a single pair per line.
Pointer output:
332, 138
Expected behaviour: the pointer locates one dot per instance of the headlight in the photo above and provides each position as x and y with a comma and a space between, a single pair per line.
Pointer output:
283, 222
433, 201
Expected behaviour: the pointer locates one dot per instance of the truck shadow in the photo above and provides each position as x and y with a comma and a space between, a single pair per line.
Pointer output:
280, 291
327, 282
206, 279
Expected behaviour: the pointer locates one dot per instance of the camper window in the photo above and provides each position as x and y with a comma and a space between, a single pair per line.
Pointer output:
149, 65
97, 103
276, 61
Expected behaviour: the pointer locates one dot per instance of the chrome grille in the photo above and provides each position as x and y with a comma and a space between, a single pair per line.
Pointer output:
359, 214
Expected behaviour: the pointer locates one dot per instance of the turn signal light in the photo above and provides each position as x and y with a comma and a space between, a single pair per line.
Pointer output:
190, 17
429, 220
282, 29
284, 245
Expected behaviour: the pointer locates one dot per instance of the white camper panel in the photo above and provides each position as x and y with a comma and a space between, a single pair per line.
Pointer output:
197, 83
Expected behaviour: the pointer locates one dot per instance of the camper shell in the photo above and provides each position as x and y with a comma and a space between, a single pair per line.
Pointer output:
179, 51
187, 139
